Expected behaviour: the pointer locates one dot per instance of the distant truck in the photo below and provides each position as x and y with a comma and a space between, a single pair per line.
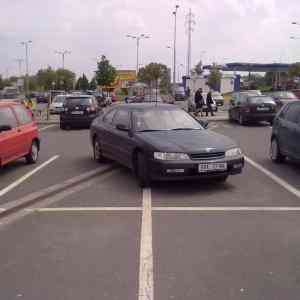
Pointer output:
10, 92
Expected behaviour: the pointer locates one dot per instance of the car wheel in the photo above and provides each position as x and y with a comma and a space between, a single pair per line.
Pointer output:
33, 155
241, 120
275, 153
221, 179
98, 156
142, 171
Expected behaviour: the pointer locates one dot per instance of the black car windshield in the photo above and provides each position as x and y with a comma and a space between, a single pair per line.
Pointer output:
260, 100
79, 101
164, 119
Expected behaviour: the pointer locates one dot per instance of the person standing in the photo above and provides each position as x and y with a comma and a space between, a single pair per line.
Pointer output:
209, 103
199, 102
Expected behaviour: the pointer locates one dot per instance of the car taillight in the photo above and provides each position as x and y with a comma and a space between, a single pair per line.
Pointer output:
247, 109
91, 109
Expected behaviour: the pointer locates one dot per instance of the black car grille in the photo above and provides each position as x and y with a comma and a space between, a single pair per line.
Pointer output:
207, 155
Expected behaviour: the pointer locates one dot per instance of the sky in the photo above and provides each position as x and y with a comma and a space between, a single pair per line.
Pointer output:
227, 30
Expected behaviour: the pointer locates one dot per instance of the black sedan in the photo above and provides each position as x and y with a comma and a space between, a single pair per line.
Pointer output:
163, 142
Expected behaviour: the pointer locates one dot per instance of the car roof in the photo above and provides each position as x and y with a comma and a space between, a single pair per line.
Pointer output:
146, 106
8, 102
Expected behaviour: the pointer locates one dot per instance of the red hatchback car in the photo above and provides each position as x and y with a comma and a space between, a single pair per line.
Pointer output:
19, 134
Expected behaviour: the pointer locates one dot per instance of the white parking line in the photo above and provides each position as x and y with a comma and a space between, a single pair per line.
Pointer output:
26, 176
228, 208
146, 251
47, 127
82, 209
274, 177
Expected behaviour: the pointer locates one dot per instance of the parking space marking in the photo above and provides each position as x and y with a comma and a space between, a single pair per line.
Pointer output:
228, 208
47, 127
26, 176
82, 209
274, 177
146, 250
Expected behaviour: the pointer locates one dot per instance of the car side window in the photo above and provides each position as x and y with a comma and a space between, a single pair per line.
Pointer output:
293, 113
108, 118
7, 117
22, 114
122, 117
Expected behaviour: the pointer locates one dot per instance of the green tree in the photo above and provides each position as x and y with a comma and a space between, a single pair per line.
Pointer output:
1, 83
65, 79
198, 68
214, 78
45, 78
93, 84
106, 73
294, 70
82, 83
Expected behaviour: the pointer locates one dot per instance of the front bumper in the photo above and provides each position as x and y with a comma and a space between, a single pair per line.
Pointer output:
162, 170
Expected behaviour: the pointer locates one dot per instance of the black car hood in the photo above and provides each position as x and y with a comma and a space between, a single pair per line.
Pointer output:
186, 141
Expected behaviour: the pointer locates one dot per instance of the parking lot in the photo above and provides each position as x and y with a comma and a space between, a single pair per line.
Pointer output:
105, 238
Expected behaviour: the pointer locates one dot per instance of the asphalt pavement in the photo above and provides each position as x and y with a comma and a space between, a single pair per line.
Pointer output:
108, 239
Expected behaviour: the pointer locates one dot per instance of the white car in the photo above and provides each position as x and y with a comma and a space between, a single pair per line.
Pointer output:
57, 105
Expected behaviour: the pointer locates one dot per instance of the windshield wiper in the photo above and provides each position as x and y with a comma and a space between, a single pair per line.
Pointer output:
178, 129
149, 130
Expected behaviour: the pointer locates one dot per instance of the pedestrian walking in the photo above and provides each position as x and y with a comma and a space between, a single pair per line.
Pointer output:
199, 102
209, 103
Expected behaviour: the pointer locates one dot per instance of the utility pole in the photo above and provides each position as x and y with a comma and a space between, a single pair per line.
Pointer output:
189, 27
174, 48
26, 45
63, 54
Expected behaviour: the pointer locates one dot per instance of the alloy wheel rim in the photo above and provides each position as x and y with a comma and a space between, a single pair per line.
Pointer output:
274, 149
34, 152
97, 150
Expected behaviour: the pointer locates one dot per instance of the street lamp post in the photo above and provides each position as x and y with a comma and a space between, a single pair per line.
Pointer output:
174, 48
63, 54
19, 61
26, 45
138, 38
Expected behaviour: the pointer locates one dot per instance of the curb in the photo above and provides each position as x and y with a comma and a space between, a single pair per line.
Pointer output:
13, 206
47, 122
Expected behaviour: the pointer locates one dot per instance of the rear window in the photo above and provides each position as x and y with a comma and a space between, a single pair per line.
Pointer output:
7, 117
79, 101
259, 100
59, 99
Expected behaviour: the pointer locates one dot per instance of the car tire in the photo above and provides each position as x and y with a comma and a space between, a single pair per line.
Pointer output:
221, 179
33, 155
275, 153
142, 171
241, 120
97, 152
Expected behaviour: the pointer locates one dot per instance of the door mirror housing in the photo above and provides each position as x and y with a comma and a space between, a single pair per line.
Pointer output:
204, 124
5, 128
122, 127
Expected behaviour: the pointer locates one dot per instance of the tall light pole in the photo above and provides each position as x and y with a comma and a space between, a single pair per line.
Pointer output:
174, 48
63, 54
20, 61
26, 45
190, 22
138, 38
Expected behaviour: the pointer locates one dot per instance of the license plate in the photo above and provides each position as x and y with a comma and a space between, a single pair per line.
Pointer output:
77, 112
211, 167
263, 109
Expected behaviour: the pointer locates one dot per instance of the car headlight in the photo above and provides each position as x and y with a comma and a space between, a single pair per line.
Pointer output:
233, 152
170, 156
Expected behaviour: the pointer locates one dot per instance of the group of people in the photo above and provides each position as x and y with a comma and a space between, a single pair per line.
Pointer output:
200, 103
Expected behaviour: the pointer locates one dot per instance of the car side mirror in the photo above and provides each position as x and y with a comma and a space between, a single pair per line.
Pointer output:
204, 124
122, 127
5, 128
